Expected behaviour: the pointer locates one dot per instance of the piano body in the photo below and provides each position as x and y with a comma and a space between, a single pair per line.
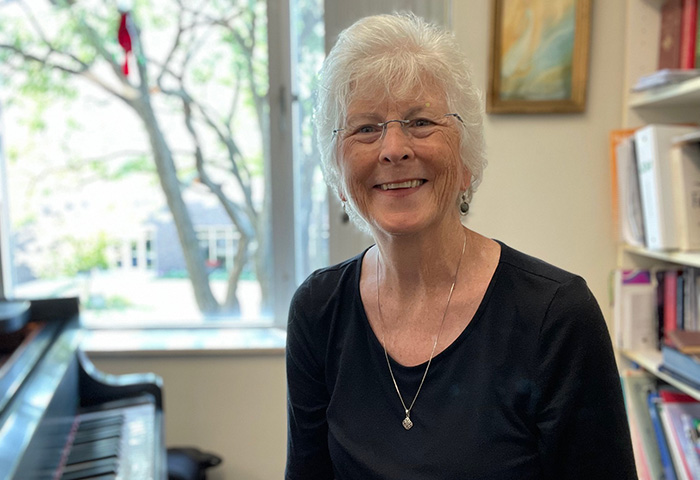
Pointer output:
61, 418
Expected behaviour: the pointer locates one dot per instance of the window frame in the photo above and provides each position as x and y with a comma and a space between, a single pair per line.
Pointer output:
280, 181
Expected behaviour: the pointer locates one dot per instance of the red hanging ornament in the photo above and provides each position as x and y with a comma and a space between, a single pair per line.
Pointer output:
124, 38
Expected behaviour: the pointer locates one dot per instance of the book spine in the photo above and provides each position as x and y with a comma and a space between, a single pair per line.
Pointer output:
649, 188
670, 35
681, 363
670, 311
652, 401
689, 17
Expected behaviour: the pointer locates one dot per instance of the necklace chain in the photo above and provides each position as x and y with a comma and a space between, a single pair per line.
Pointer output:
407, 423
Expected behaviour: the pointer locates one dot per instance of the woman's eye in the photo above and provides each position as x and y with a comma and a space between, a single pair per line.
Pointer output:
367, 129
422, 122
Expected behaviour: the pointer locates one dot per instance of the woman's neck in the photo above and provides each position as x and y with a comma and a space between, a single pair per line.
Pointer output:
409, 263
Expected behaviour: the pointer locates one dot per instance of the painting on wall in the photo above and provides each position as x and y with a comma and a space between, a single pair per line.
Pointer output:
539, 56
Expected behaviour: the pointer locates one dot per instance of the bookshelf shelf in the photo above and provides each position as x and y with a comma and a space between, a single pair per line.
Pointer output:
691, 259
650, 360
677, 95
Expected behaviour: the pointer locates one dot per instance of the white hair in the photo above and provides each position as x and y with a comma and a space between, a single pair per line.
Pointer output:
402, 54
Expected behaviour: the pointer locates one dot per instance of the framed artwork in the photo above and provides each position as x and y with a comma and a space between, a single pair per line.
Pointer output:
539, 56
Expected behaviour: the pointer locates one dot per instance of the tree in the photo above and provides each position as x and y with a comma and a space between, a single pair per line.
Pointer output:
196, 67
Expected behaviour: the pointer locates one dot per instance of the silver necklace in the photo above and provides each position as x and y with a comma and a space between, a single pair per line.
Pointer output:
407, 422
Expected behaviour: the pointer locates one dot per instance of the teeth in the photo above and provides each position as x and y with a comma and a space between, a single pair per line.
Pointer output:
406, 184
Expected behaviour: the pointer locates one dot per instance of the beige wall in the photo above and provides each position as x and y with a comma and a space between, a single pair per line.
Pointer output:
231, 405
546, 191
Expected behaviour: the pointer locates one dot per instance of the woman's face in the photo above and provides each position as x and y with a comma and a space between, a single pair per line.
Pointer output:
409, 179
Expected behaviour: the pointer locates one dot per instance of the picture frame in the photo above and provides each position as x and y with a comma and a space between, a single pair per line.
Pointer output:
538, 60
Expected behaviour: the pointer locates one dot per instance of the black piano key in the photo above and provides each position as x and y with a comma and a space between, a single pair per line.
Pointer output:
91, 436
91, 472
109, 476
112, 462
109, 443
87, 452
101, 422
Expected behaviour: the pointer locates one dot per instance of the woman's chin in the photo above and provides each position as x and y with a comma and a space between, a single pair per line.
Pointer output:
404, 224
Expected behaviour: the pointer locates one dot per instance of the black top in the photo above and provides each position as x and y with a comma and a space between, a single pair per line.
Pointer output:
529, 390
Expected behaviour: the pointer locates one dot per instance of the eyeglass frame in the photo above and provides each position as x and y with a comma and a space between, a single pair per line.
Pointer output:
402, 122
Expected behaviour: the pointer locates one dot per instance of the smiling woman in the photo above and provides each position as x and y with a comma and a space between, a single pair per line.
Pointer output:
438, 352
420, 154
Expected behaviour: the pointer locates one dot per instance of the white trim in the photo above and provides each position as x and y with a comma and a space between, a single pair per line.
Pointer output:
281, 170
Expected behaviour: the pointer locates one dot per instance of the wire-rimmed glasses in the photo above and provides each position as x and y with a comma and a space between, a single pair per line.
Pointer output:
419, 127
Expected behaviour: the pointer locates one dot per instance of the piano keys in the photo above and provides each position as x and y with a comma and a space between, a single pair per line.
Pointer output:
61, 418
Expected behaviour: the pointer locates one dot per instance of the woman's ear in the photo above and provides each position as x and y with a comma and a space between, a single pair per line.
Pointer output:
466, 179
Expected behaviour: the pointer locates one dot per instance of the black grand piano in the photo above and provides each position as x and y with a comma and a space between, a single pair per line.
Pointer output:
61, 418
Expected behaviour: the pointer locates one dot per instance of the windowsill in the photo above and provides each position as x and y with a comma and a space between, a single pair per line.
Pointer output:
183, 341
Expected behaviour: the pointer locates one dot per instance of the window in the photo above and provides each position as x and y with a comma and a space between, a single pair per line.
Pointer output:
147, 161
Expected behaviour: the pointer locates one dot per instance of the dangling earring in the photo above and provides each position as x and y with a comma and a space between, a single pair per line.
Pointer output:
344, 218
464, 205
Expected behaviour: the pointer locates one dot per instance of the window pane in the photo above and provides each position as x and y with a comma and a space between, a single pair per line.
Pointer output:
110, 174
311, 206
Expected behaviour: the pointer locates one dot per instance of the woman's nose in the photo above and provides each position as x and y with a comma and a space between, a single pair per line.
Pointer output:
395, 143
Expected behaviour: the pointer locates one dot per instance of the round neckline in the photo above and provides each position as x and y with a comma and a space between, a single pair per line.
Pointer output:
377, 345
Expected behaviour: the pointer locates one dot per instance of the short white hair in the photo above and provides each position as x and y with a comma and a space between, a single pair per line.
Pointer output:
400, 53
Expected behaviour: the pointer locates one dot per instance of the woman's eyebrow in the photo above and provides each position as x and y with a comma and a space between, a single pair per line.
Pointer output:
364, 116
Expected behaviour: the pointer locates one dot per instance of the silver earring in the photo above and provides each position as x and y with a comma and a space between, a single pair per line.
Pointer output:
344, 218
464, 205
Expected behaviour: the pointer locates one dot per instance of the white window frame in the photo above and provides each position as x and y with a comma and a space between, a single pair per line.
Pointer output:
280, 181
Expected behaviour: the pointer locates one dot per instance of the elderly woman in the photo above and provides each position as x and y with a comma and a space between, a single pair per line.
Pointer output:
437, 353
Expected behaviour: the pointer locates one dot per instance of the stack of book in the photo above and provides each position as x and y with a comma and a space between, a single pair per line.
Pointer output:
678, 51
657, 182
681, 356
649, 306
678, 36
665, 427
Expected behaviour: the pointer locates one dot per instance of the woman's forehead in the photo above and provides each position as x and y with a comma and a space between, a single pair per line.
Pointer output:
379, 103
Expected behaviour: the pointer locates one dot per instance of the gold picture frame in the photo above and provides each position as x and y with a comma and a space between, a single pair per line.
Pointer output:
538, 56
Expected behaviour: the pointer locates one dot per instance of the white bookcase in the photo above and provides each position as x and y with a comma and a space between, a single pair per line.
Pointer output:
679, 103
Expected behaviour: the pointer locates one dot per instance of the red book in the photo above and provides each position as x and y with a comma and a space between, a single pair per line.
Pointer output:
670, 35
673, 395
697, 40
689, 27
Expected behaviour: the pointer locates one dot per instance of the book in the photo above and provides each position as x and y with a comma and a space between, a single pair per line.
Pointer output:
690, 304
660, 276
615, 137
697, 40
689, 16
685, 180
685, 341
626, 195
652, 148
634, 310
681, 418
670, 299
680, 365
670, 34
654, 405
637, 385
667, 76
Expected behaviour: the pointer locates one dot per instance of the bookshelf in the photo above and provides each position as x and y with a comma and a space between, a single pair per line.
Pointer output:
670, 96
650, 360
676, 103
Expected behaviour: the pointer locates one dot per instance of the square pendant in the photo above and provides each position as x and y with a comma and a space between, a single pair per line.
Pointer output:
407, 423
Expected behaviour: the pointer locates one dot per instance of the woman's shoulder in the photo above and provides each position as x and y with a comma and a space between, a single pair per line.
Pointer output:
538, 270
328, 282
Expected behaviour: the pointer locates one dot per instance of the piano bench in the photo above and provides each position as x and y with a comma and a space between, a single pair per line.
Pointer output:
189, 463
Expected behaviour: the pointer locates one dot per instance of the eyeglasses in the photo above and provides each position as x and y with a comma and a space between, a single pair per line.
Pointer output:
419, 127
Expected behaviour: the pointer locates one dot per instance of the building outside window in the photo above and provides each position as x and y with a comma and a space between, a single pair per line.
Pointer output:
158, 158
